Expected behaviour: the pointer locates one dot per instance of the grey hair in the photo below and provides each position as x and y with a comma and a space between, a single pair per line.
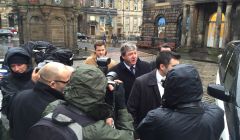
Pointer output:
127, 46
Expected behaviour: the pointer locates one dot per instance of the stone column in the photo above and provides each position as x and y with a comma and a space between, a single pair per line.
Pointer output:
218, 26
226, 35
200, 29
184, 21
192, 28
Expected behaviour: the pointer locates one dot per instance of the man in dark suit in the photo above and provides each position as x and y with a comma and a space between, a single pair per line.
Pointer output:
147, 90
130, 67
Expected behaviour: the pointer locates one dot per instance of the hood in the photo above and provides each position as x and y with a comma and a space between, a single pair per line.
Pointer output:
86, 91
182, 85
16, 50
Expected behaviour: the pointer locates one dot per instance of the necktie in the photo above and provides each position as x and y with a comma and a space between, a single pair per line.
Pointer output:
132, 69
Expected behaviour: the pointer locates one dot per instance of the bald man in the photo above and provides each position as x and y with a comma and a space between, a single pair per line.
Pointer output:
28, 105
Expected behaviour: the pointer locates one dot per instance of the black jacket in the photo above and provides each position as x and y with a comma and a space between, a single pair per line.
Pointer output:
28, 107
183, 115
13, 82
144, 96
125, 75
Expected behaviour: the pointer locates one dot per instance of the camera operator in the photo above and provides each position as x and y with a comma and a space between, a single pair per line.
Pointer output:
100, 55
86, 110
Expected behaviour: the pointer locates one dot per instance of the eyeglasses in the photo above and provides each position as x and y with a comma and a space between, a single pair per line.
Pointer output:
64, 82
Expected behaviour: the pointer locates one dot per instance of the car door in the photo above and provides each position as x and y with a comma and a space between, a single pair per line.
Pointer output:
229, 77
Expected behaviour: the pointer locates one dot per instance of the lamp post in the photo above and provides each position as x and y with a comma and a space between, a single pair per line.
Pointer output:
109, 27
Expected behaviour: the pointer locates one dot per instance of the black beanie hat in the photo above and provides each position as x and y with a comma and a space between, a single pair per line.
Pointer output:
18, 59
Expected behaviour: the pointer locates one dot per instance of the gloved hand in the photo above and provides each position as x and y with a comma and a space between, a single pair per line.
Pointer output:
119, 94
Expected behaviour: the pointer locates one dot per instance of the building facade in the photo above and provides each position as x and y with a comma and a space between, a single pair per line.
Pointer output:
129, 17
190, 23
7, 17
54, 21
124, 16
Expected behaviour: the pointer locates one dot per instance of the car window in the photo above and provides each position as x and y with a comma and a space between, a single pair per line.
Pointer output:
227, 54
238, 87
231, 72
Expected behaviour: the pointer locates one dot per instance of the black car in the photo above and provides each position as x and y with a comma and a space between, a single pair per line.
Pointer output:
82, 36
5, 33
228, 88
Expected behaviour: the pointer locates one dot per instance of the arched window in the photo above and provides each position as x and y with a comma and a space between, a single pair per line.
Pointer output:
161, 27
212, 30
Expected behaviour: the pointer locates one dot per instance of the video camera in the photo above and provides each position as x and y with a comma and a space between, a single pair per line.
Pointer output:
111, 76
102, 63
41, 64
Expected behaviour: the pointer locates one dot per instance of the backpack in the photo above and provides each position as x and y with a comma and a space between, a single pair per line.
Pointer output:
64, 121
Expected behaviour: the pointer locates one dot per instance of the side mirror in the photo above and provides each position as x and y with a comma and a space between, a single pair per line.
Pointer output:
218, 91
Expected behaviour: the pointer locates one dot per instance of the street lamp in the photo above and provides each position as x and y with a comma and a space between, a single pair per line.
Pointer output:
109, 26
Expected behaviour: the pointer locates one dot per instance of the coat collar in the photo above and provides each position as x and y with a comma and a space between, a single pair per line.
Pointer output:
45, 89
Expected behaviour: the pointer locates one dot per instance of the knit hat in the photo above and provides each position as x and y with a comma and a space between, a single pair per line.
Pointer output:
18, 59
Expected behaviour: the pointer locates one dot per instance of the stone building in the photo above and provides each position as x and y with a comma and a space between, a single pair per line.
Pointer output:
54, 21
7, 17
97, 17
190, 23
129, 17
161, 23
125, 17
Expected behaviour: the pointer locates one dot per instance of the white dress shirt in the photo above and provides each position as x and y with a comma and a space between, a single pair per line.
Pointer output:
159, 82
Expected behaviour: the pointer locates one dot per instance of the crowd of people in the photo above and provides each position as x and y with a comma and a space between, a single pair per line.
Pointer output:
149, 100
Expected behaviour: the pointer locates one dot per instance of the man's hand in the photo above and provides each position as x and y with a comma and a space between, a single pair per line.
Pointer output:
110, 122
35, 75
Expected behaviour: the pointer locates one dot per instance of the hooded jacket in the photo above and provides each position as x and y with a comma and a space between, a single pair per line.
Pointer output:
15, 82
183, 115
85, 93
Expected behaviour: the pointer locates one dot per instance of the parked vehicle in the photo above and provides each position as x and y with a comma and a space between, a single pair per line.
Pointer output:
82, 36
227, 89
12, 29
3, 69
5, 33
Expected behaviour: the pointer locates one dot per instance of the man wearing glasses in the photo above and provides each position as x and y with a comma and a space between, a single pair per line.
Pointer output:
28, 105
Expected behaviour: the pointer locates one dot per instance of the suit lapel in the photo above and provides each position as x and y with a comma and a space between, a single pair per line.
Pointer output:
152, 81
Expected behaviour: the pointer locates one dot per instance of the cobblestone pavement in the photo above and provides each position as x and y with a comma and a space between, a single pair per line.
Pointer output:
207, 70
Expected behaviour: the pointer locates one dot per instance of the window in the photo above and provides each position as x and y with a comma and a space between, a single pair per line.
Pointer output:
161, 27
101, 3
226, 57
135, 5
127, 4
101, 21
231, 73
92, 3
92, 18
110, 3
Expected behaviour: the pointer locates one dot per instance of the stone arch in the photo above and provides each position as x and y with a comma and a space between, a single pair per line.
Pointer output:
212, 30
160, 26
58, 33
36, 27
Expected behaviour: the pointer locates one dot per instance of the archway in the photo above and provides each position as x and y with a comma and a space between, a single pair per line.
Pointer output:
161, 26
212, 30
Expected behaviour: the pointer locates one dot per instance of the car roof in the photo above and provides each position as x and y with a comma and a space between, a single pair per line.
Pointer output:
234, 44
